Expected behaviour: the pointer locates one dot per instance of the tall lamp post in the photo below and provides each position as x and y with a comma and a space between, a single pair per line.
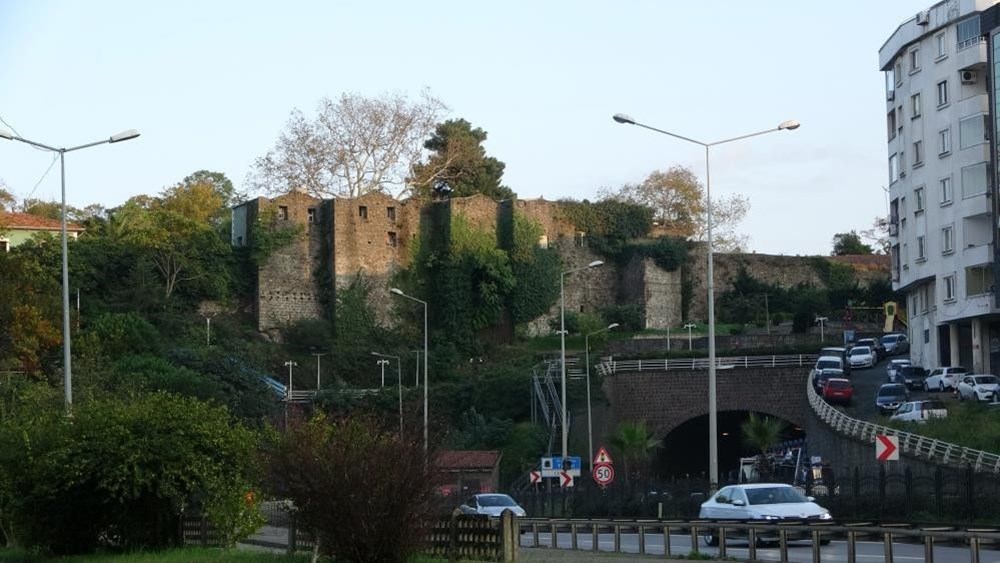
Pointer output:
382, 364
399, 292
67, 360
690, 326
318, 356
821, 321
562, 353
590, 420
399, 377
713, 417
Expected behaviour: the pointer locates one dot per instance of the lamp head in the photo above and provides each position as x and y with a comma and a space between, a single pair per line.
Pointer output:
396, 290
595, 263
5, 134
125, 135
790, 125
622, 118
612, 325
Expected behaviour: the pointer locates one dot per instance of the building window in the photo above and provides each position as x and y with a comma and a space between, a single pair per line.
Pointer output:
942, 93
391, 239
968, 33
390, 212
978, 280
974, 180
283, 212
942, 45
899, 119
921, 250
890, 124
927, 336
914, 106
914, 60
312, 214
946, 194
890, 85
918, 154
949, 287
363, 211
893, 168
944, 142
972, 131
923, 299
918, 194
898, 72
947, 240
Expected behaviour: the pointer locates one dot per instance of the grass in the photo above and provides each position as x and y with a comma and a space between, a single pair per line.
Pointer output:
187, 555
970, 424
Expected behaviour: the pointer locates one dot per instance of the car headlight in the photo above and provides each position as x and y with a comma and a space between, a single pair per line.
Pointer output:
768, 517
825, 516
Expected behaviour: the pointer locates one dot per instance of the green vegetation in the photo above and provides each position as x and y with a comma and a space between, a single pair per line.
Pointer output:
189, 555
970, 424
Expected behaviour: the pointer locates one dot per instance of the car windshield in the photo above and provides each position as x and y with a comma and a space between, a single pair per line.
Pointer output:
832, 372
889, 339
496, 500
911, 371
860, 351
774, 495
891, 391
827, 364
986, 379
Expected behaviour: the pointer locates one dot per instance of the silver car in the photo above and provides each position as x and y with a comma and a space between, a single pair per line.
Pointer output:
491, 504
760, 501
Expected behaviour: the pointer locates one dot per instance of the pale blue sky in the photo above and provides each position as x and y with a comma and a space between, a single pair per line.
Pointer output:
210, 85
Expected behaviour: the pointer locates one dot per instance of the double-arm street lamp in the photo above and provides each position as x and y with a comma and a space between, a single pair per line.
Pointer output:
399, 377
590, 420
67, 361
399, 292
562, 346
713, 443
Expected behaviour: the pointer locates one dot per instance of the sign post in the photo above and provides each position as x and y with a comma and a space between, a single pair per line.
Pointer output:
886, 448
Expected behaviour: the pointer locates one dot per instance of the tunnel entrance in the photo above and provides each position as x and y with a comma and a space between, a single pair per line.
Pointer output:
685, 449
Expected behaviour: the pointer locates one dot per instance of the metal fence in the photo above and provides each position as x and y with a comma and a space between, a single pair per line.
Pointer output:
666, 364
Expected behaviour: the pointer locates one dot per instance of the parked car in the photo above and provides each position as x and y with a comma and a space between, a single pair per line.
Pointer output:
893, 366
875, 346
862, 357
822, 376
760, 501
890, 396
940, 379
838, 390
491, 504
827, 362
895, 344
979, 387
839, 352
920, 411
911, 376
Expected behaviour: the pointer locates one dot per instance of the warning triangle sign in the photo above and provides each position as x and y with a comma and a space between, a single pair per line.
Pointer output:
602, 457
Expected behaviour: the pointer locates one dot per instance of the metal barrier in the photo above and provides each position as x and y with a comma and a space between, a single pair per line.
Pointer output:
910, 444
563, 532
666, 364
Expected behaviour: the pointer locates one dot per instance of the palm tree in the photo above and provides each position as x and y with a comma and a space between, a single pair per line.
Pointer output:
762, 434
634, 442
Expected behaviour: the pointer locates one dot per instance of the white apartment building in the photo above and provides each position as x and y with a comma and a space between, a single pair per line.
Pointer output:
941, 221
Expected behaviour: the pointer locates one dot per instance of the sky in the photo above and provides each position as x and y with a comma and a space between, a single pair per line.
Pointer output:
210, 85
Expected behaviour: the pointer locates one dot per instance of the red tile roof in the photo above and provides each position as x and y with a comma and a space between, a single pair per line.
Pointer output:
468, 460
28, 222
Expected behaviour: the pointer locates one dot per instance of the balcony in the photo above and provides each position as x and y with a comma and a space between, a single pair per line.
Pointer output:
971, 54
977, 254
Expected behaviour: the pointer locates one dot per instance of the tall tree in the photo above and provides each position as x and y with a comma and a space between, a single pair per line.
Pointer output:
7, 199
354, 145
877, 237
849, 243
203, 197
458, 159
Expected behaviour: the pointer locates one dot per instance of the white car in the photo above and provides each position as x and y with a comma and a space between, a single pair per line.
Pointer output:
943, 378
760, 501
920, 411
893, 366
862, 357
491, 504
826, 362
979, 387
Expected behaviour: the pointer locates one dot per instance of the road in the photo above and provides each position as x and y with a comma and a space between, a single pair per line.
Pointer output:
866, 383
836, 551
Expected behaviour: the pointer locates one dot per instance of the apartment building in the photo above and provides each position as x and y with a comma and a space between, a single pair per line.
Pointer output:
941, 213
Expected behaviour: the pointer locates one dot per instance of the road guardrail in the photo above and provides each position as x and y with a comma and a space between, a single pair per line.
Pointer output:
667, 364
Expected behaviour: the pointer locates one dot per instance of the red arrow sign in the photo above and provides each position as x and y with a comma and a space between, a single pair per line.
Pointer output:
886, 448
565, 479
536, 477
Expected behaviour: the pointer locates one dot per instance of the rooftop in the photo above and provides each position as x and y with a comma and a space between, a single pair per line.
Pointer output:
29, 222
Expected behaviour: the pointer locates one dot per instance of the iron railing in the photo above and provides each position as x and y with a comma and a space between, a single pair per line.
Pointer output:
666, 364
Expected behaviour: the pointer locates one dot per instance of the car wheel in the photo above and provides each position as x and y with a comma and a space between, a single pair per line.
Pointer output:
711, 539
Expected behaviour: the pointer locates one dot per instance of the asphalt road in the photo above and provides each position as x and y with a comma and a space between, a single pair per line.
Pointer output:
866, 383
797, 551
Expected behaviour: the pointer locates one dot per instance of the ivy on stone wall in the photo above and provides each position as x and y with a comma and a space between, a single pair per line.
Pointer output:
267, 235
536, 271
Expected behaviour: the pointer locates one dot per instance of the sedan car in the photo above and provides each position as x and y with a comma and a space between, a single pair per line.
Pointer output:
940, 379
979, 387
760, 501
890, 396
838, 390
920, 411
893, 366
875, 345
862, 357
911, 376
895, 344
491, 504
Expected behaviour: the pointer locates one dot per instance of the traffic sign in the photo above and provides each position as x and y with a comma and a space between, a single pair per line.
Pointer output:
565, 479
535, 476
552, 466
604, 474
602, 457
886, 448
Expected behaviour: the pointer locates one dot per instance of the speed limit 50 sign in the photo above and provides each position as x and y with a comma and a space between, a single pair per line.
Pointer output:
604, 474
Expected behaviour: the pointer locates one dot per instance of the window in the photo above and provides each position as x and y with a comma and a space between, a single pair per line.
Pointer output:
918, 194
921, 250
941, 41
312, 214
363, 211
283, 212
923, 299
391, 239
974, 180
942, 93
890, 124
890, 85
899, 119
968, 33
914, 106
972, 131
918, 153
897, 72
947, 240
978, 280
945, 190
390, 212
893, 168
914, 60
949, 287
944, 142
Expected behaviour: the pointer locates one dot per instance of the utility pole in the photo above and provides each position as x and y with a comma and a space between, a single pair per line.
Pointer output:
318, 356
767, 314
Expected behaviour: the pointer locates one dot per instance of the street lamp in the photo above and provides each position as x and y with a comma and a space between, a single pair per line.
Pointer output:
290, 365
562, 346
689, 326
820, 321
399, 292
399, 377
382, 364
318, 356
590, 421
67, 361
713, 416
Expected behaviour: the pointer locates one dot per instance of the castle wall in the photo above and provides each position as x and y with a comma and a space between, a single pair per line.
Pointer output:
655, 290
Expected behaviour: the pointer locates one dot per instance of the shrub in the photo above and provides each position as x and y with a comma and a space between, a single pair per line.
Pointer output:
630, 318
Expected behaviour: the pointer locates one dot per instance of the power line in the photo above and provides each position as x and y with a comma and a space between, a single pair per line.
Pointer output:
55, 157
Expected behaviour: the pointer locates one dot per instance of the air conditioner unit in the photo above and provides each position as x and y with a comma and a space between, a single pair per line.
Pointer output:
923, 18
968, 76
